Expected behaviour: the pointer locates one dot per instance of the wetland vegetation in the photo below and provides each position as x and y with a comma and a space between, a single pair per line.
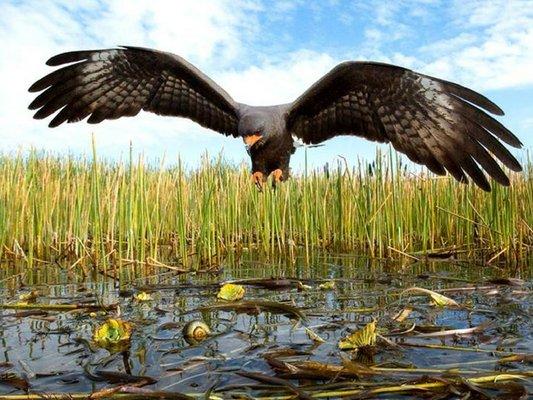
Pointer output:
96, 212
364, 282
285, 339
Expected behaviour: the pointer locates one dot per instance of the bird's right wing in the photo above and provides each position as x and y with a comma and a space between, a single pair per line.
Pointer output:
434, 122
109, 84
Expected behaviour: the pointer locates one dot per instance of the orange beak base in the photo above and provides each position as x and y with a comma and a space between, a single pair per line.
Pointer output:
250, 140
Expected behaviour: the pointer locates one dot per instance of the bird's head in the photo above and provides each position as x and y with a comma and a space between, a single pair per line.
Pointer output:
253, 128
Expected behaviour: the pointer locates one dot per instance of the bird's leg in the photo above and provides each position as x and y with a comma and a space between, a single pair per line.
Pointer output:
277, 176
258, 178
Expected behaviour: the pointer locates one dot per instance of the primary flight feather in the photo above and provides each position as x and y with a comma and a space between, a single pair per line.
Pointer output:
439, 124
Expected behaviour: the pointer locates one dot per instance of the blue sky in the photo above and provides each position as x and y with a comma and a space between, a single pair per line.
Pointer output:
262, 52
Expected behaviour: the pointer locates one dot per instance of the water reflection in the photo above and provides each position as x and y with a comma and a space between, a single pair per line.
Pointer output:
52, 351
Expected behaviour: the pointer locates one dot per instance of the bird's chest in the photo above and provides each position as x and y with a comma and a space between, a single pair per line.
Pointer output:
272, 155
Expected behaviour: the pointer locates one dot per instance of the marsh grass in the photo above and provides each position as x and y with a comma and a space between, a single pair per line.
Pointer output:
96, 212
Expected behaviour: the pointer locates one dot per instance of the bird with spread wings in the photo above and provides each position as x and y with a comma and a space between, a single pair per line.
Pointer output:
436, 123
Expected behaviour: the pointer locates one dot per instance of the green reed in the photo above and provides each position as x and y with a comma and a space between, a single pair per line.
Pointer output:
109, 213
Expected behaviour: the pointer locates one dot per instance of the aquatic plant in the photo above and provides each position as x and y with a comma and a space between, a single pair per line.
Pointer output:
113, 334
231, 292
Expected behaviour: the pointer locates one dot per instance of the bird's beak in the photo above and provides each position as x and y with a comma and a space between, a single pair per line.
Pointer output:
250, 140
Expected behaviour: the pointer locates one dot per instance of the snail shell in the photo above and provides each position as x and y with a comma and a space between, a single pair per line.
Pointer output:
196, 330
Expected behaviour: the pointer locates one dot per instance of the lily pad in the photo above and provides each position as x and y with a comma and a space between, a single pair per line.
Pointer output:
114, 334
231, 292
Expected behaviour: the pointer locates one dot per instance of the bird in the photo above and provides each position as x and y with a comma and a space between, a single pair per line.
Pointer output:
436, 123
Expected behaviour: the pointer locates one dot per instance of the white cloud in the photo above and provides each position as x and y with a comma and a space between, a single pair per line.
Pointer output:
196, 29
495, 52
211, 34
447, 45
278, 82
374, 35
485, 44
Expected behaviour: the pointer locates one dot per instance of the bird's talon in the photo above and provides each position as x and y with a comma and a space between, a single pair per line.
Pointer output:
277, 176
258, 178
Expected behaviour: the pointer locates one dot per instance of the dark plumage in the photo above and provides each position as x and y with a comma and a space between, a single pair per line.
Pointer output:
436, 123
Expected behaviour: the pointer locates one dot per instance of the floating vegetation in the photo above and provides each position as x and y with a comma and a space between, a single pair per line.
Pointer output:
56, 306
97, 214
368, 337
113, 334
329, 285
257, 306
438, 299
314, 336
231, 292
403, 314
361, 338
142, 296
302, 287
29, 297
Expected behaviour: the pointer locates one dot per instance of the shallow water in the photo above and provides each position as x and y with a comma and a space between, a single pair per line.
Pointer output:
46, 351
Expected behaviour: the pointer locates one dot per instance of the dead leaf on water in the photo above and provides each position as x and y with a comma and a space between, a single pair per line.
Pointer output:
13, 380
365, 336
301, 287
255, 306
507, 281
30, 297
438, 299
314, 336
355, 367
402, 315
329, 285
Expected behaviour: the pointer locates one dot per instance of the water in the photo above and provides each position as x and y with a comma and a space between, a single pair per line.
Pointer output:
53, 354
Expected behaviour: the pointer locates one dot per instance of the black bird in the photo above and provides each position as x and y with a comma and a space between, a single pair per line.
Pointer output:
436, 123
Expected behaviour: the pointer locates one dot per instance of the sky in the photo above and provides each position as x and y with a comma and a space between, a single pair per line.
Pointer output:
262, 52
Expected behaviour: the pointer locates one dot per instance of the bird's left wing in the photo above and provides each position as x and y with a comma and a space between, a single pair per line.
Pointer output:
111, 83
434, 122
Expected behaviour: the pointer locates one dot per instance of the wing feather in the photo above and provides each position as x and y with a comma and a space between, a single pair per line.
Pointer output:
73, 56
439, 124
82, 103
469, 95
112, 83
58, 76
